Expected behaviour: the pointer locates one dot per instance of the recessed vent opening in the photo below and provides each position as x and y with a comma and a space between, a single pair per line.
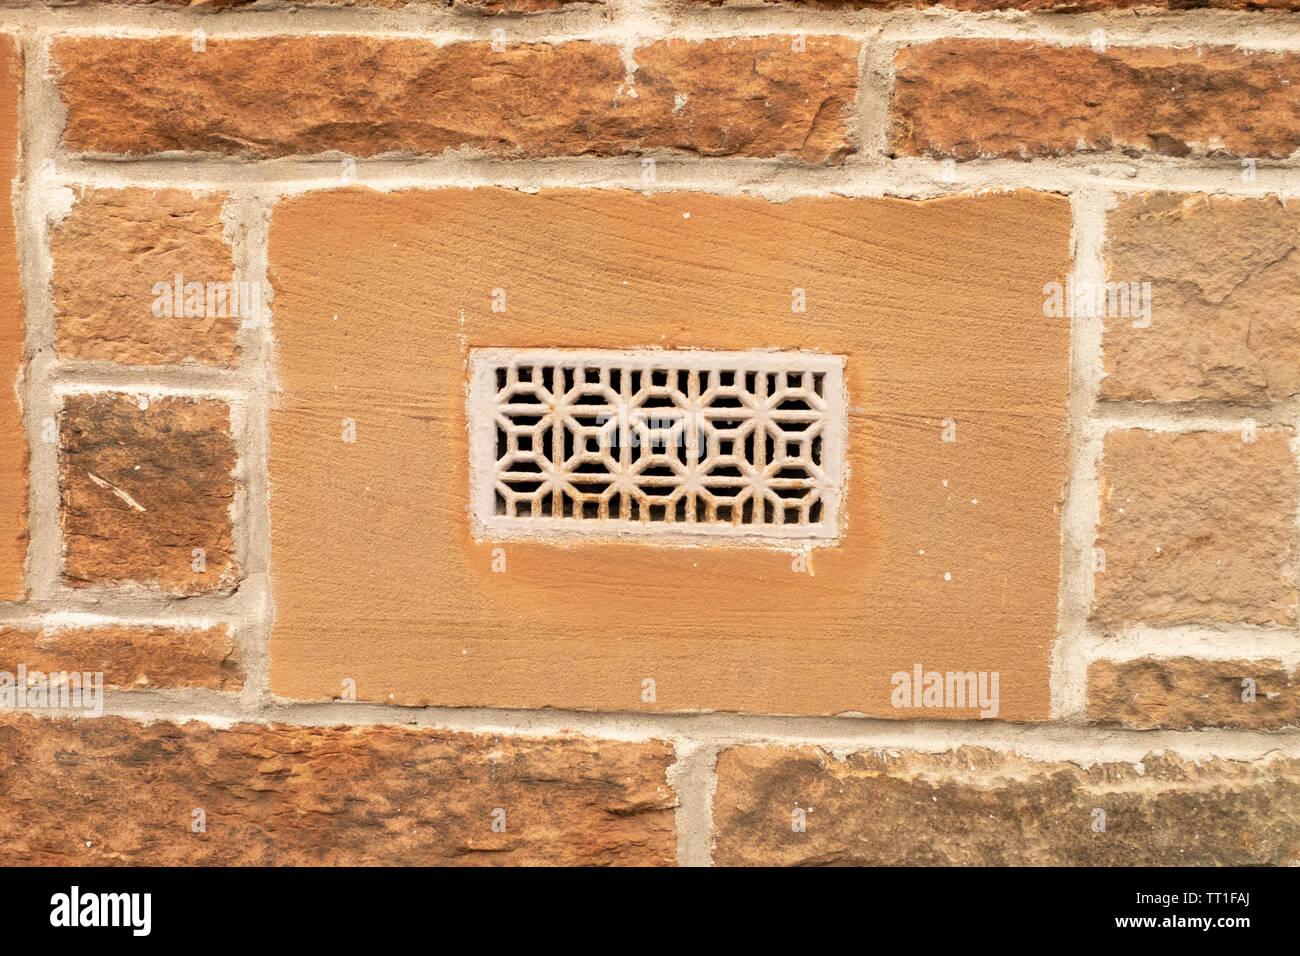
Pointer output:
672, 444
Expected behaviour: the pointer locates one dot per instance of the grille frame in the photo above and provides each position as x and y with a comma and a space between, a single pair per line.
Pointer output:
490, 423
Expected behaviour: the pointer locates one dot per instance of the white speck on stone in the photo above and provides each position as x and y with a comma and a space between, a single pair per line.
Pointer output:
947, 576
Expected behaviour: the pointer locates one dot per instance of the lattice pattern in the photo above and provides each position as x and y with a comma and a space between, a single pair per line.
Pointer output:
665, 442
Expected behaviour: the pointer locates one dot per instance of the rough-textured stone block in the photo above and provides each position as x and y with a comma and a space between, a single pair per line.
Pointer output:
112, 255
130, 657
1197, 526
364, 95
1225, 289
147, 487
1183, 692
978, 807
971, 98
113, 791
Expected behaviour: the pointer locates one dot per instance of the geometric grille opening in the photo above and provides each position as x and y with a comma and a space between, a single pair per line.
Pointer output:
668, 444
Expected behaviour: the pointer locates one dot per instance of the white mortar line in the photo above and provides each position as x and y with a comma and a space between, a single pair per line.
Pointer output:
127, 604
1192, 417
864, 174
253, 218
142, 386
89, 620
875, 90
1179, 28
1247, 30
697, 734
1200, 642
41, 406
72, 375
1295, 503
694, 779
1080, 508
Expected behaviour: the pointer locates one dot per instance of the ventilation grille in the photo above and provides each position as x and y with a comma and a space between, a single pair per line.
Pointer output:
733, 444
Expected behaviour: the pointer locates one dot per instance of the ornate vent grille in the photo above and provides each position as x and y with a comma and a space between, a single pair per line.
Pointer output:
734, 444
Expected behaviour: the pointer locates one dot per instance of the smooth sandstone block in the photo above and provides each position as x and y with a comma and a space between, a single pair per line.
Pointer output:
946, 552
